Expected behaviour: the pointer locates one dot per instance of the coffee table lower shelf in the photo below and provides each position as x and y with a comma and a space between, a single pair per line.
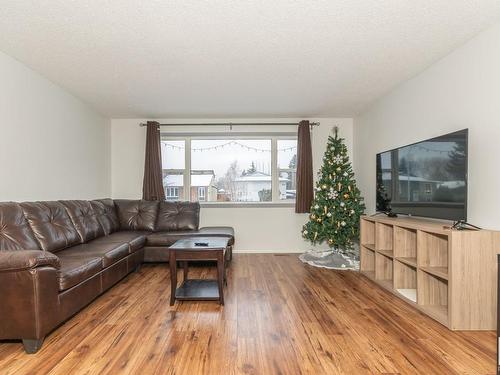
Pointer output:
198, 290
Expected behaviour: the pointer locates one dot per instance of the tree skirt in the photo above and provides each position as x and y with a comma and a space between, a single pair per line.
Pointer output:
332, 259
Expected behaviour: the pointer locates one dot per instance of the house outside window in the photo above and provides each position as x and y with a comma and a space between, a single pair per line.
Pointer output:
248, 169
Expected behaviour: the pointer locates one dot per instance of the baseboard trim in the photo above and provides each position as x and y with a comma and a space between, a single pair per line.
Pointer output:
268, 251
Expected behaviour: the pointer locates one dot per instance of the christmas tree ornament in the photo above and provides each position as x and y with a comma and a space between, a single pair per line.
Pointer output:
336, 198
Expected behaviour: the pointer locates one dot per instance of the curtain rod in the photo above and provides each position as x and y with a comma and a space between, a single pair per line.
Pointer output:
231, 124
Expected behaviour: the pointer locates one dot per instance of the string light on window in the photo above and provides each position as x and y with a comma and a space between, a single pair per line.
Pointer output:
231, 143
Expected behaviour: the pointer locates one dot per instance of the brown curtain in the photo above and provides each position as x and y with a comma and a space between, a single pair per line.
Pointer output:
152, 186
304, 194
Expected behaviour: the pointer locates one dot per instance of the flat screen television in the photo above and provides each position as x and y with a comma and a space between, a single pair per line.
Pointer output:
427, 178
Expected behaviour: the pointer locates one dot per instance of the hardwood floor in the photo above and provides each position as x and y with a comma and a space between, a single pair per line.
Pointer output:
280, 317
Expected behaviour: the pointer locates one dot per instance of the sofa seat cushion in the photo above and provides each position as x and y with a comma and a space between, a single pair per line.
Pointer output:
165, 239
108, 252
162, 239
76, 269
218, 232
136, 240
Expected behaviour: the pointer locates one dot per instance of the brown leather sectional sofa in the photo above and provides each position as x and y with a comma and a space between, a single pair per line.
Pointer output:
56, 257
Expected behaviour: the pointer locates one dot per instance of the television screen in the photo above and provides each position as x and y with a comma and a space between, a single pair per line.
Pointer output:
427, 178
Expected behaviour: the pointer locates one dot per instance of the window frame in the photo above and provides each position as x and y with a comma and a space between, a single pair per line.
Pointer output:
274, 137
204, 195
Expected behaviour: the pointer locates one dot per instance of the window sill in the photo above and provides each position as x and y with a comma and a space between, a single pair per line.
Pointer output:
247, 204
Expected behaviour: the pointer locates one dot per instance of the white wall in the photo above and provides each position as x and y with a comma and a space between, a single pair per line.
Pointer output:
274, 229
52, 146
460, 91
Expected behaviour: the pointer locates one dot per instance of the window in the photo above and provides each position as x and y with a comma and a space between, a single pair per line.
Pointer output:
173, 165
234, 170
172, 193
287, 168
229, 169
201, 193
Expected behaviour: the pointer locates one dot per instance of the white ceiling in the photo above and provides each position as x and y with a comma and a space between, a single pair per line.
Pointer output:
226, 58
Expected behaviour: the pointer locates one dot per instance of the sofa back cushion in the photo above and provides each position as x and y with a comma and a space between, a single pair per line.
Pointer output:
84, 219
106, 215
15, 232
137, 214
175, 216
51, 225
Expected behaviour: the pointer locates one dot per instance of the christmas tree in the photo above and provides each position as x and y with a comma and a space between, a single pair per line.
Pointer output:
337, 205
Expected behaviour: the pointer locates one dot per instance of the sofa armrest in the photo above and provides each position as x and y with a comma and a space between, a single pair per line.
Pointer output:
19, 260
29, 294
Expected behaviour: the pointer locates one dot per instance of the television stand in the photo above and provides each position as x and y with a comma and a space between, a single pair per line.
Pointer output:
449, 275
386, 213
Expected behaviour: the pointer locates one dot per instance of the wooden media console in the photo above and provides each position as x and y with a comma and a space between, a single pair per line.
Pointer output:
450, 275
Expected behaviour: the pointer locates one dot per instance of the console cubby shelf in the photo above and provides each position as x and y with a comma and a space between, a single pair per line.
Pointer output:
447, 274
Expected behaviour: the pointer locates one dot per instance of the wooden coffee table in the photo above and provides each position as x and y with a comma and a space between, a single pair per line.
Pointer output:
198, 289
